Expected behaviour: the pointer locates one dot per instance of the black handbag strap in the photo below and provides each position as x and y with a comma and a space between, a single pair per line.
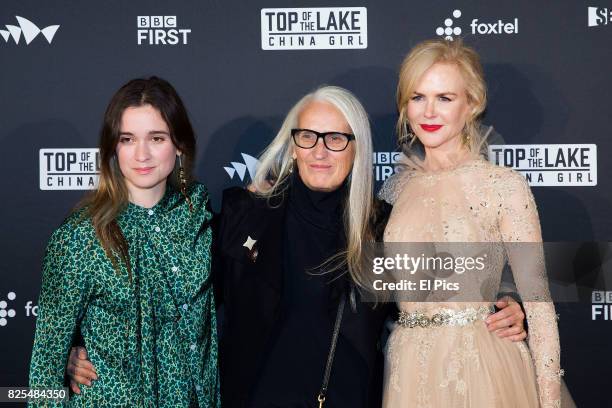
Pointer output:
332, 351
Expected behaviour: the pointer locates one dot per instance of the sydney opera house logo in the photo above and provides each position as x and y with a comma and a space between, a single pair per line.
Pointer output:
240, 169
29, 30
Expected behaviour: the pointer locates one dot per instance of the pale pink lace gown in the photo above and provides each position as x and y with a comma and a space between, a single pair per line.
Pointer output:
466, 366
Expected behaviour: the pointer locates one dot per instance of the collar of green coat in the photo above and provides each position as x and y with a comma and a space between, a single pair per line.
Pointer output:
173, 202
169, 200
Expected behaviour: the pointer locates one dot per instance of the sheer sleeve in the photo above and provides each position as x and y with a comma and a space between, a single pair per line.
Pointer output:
520, 228
394, 185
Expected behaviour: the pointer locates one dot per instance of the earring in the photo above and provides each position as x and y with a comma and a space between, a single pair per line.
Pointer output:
183, 183
465, 136
293, 157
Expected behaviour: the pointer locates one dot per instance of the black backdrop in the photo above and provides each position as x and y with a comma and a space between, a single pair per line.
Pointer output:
548, 70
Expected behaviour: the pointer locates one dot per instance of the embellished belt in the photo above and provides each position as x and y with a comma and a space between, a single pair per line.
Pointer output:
445, 317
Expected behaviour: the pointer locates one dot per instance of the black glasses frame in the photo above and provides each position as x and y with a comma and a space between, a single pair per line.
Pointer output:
321, 135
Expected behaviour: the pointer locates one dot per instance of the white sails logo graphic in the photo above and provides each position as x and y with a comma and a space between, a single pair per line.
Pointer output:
29, 29
250, 164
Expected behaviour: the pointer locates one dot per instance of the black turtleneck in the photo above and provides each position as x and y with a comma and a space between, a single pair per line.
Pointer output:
296, 358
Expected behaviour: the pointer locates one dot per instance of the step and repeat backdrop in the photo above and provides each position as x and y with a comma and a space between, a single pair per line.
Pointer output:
240, 66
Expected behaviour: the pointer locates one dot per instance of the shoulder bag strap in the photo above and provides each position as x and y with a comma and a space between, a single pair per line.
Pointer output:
332, 350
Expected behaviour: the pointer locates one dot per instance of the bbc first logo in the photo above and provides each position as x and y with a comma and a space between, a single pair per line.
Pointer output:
161, 30
601, 308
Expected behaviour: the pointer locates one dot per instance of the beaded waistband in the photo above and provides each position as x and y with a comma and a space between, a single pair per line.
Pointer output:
444, 317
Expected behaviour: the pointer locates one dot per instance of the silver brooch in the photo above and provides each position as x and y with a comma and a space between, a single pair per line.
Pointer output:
250, 245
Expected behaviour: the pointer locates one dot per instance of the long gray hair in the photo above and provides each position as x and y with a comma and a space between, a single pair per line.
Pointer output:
276, 163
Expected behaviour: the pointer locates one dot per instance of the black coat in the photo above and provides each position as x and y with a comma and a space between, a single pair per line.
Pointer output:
249, 283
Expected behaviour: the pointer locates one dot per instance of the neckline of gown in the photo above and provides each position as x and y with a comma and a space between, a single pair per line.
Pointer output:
416, 166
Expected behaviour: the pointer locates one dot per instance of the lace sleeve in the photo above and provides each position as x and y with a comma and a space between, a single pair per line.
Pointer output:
520, 228
394, 185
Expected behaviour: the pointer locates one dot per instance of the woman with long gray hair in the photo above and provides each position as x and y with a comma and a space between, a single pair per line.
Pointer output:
284, 301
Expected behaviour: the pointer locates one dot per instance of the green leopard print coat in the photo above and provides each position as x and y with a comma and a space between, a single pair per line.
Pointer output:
151, 338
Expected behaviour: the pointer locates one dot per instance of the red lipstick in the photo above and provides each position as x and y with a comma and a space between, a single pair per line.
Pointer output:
430, 128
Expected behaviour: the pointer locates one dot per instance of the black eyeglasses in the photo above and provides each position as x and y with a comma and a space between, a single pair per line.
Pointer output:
334, 141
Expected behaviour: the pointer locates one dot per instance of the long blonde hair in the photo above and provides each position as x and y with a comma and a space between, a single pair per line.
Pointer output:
422, 57
276, 163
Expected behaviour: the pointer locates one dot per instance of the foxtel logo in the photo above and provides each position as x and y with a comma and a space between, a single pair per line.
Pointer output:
250, 164
29, 29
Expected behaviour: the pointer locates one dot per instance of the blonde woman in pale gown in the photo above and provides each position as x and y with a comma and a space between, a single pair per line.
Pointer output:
453, 195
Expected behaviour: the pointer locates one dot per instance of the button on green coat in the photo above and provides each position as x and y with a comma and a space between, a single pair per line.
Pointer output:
151, 337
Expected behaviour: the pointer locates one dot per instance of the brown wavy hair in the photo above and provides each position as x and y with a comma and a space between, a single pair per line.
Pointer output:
111, 197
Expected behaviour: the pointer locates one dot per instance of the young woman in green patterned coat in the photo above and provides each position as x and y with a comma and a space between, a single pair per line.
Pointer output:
130, 269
